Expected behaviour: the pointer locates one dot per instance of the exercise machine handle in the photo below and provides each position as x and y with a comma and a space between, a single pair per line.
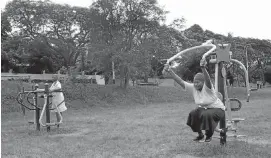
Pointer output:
43, 112
246, 76
206, 44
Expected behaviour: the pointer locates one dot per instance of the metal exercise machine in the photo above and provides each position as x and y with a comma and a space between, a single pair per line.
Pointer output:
220, 56
36, 93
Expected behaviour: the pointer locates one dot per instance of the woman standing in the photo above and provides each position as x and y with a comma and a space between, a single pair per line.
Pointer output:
58, 98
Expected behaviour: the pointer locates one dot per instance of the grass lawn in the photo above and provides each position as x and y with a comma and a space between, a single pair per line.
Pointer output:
135, 130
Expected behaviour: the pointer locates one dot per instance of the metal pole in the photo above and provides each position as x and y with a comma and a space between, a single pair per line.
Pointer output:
37, 109
216, 77
221, 89
245, 48
47, 106
34, 99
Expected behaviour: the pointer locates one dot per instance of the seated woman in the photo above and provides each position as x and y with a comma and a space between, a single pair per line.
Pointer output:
210, 108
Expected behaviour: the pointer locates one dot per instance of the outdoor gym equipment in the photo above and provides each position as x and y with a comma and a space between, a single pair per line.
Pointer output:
220, 55
42, 93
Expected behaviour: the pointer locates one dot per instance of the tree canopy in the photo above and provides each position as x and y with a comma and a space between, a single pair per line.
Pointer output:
128, 33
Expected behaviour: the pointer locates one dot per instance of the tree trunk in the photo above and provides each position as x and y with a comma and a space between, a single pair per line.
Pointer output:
127, 77
146, 77
83, 61
124, 75
106, 79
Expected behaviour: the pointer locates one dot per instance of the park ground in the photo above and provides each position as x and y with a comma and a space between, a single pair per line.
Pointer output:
145, 125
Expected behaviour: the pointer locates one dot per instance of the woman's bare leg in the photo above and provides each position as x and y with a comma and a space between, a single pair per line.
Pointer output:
58, 117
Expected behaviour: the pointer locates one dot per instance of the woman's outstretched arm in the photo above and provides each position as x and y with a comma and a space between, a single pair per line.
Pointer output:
178, 79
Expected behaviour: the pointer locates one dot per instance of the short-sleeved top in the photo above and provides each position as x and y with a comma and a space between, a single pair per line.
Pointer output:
206, 97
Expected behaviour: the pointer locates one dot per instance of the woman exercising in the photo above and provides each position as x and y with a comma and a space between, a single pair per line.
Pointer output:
58, 98
210, 108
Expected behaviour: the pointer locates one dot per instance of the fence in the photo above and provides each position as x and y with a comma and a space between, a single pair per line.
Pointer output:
48, 77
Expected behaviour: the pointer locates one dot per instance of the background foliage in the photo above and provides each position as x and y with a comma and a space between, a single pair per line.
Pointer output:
129, 33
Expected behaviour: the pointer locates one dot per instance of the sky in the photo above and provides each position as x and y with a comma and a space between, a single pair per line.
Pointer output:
244, 18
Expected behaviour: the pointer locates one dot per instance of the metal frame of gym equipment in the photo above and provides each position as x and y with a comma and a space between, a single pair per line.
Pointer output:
42, 93
220, 55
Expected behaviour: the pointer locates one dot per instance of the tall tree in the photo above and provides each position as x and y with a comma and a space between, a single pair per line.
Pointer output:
126, 23
5, 26
65, 29
5, 30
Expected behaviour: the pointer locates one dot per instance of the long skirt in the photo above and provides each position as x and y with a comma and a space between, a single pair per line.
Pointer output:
58, 102
205, 119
